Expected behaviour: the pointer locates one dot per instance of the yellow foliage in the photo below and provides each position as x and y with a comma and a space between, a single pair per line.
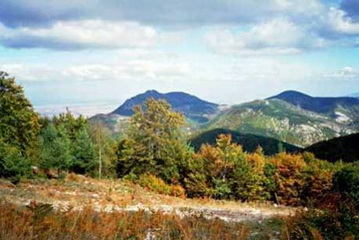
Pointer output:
289, 162
220, 159
211, 157
178, 191
257, 162
289, 177
157, 185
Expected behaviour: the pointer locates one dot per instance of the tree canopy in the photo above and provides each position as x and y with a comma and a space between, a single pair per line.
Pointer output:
154, 142
19, 123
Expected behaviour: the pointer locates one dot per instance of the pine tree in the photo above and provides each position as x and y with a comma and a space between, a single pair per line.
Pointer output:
19, 127
71, 123
19, 124
56, 148
84, 153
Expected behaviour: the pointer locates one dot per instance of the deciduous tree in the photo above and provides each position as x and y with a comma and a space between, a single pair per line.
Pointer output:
154, 142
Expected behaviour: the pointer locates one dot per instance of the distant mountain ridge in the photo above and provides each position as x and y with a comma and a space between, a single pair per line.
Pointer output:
291, 116
281, 120
343, 109
191, 106
249, 142
356, 95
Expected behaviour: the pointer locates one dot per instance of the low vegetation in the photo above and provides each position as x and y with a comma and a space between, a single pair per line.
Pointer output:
37, 222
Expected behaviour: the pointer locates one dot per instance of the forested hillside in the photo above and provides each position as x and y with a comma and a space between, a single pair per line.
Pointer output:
249, 142
343, 148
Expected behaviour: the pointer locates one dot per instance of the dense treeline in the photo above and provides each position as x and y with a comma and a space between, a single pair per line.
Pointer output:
342, 148
155, 154
249, 142
49, 147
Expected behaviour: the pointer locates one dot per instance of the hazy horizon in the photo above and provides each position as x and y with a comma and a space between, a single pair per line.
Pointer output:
91, 108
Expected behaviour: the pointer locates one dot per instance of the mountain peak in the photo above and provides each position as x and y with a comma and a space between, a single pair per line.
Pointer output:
290, 94
152, 91
191, 106
150, 94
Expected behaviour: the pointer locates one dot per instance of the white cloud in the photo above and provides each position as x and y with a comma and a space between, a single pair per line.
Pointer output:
297, 31
30, 72
133, 70
340, 23
279, 36
345, 73
81, 34
266, 70
124, 64
156, 12
277, 26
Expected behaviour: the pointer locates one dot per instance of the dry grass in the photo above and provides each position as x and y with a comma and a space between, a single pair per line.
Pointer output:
40, 222
84, 208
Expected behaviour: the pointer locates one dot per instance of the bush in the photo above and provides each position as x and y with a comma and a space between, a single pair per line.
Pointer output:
319, 180
12, 163
178, 191
194, 178
324, 224
338, 215
347, 182
157, 185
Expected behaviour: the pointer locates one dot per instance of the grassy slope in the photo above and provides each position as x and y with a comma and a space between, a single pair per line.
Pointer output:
279, 120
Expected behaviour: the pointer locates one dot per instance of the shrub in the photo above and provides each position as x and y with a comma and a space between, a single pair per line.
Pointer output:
347, 182
319, 180
194, 178
324, 224
12, 162
154, 184
157, 185
178, 191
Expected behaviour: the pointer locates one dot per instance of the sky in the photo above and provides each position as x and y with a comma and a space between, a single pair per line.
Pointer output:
91, 55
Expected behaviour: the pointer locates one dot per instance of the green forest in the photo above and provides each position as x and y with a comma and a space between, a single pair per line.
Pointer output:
154, 153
